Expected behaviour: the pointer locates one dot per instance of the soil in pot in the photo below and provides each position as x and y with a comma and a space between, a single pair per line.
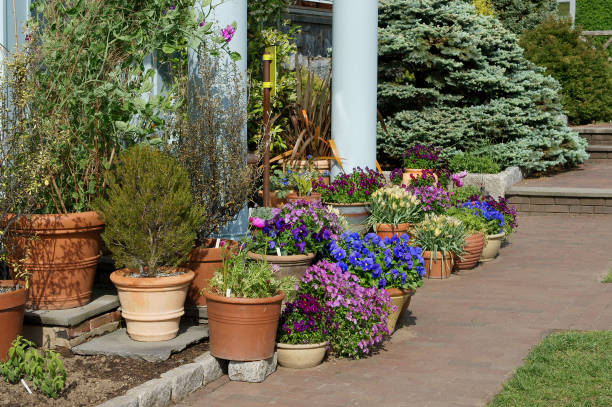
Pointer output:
294, 265
301, 356
471, 252
12, 306
491, 247
243, 329
438, 268
401, 300
61, 258
152, 306
389, 230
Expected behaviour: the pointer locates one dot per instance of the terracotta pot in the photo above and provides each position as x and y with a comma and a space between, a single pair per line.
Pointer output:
275, 202
356, 214
313, 197
417, 172
301, 356
204, 261
152, 306
388, 230
491, 247
61, 260
437, 268
12, 306
243, 329
471, 252
294, 265
401, 299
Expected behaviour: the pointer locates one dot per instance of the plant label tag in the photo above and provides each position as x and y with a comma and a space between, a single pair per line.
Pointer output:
228, 292
278, 251
217, 244
26, 386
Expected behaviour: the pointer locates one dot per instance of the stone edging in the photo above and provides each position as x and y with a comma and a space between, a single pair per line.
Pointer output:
495, 185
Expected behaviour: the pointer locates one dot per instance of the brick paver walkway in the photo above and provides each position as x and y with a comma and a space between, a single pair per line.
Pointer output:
466, 335
591, 174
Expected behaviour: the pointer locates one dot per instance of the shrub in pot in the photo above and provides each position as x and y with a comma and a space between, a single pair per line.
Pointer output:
294, 235
350, 194
476, 228
393, 211
441, 237
151, 224
383, 263
244, 304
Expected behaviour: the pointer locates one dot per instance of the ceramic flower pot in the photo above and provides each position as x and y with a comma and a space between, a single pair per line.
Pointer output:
389, 230
61, 259
417, 172
401, 300
438, 268
294, 265
471, 252
356, 215
204, 261
293, 196
275, 201
12, 306
152, 306
243, 329
491, 247
301, 356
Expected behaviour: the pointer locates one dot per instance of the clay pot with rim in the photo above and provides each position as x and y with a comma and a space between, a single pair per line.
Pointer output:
356, 215
400, 297
204, 260
389, 230
243, 329
152, 306
313, 197
491, 247
12, 307
62, 256
293, 265
275, 201
302, 356
436, 268
471, 252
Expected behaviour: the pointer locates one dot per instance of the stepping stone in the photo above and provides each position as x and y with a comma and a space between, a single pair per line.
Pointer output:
119, 343
72, 316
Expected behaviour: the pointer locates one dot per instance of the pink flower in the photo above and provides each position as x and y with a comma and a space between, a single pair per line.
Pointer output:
257, 222
222, 243
228, 33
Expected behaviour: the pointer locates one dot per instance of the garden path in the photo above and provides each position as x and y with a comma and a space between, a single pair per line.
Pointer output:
591, 174
467, 334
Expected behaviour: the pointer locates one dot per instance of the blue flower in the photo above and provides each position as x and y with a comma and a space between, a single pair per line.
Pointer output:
382, 283
338, 253
342, 266
272, 244
367, 263
405, 238
403, 278
421, 271
353, 258
376, 271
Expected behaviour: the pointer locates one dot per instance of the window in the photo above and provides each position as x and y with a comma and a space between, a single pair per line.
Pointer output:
567, 8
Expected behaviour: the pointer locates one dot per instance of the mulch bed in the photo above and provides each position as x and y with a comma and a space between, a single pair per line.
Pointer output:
91, 380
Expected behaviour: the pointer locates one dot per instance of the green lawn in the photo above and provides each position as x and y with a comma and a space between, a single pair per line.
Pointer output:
608, 278
570, 369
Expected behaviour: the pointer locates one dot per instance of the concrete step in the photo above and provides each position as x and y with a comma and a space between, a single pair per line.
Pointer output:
555, 200
599, 152
599, 135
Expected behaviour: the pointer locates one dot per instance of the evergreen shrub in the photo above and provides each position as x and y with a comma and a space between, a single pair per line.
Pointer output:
520, 15
452, 77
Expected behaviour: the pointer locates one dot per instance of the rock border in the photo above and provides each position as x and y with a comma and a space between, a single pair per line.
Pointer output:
495, 185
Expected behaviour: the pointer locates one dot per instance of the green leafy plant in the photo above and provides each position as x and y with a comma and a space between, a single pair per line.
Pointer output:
480, 164
520, 15
150, 217
394, 205
581, 67
473, 223
459, 195
303, 181
595, 15
440, 233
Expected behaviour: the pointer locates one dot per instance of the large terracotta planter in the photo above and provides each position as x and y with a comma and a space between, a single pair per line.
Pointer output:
491, 247
152, 306
417, 172
471, 252
356, 215
301, 356
438, 268
294, 265
319, 165
275, 202
12, 306
401, 299
62, 257
313, 197
204, 261
243, 329
388, 230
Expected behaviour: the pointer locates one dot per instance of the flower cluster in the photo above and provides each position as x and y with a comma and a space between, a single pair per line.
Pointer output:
228, 33
423, 156
396, 176
356, 187
381, 263
440, 233
297, 228
457, 178
359, 321
394, 205
433, 199
305, 320
428, 178
501, 205
493, 217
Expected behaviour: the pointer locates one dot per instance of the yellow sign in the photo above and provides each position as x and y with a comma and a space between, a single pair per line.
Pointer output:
271, 51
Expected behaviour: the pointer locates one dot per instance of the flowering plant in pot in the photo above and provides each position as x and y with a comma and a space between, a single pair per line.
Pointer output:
359, 320
476, 227
393, 211
441, 237
302, 332
151, 224
388, 263
494, 232
501, 205
351, 193
294, 235
422, 157
244, 304
434, 199
303, 184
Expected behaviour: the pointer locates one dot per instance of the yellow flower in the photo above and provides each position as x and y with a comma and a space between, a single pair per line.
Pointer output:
437, 232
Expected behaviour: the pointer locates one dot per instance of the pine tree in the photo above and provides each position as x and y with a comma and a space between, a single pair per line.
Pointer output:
520, 15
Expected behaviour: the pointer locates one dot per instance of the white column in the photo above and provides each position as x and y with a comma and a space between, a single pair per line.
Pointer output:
354, 80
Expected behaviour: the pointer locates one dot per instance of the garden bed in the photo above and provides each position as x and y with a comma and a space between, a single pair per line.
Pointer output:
94, 379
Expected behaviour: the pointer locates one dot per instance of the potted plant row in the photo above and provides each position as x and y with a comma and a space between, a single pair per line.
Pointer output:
394, 211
